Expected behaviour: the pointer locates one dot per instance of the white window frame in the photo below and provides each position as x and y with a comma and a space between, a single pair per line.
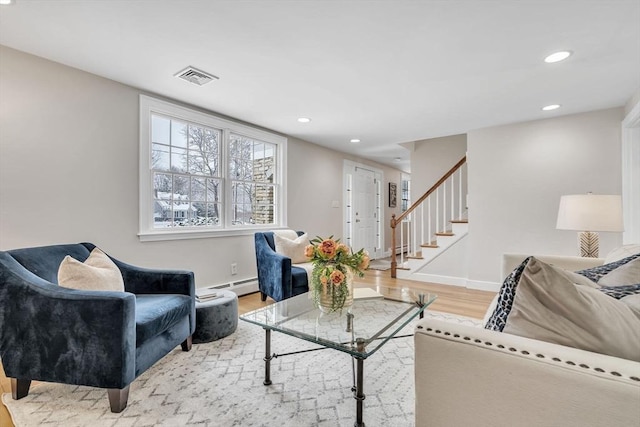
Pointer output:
147, 232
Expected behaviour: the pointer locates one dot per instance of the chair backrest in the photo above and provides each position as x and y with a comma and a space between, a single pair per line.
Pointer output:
44, 261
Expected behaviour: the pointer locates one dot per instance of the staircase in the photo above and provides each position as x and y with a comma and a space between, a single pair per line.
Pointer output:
432, 225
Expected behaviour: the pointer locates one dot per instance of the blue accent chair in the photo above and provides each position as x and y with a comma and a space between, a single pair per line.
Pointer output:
277, 278
101, 339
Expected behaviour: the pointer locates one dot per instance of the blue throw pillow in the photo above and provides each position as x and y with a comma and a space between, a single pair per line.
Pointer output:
498, 319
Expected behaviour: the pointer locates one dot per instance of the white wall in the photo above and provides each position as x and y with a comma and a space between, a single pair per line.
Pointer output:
69, 173
517, 174
315, 181
432, 158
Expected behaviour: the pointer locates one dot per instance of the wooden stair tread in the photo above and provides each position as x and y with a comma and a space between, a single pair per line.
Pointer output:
459, 221
444, 233
429, 245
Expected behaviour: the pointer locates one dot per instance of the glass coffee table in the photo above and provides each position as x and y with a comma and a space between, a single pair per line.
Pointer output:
376, 316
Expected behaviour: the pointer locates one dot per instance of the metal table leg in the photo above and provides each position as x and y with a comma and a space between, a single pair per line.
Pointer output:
359, 391
267, 357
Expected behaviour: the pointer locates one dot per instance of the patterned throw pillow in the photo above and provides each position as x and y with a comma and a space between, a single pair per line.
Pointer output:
596, 273
619, 292
507, 293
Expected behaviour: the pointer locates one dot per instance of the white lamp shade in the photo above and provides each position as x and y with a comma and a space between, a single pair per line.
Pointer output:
590, 212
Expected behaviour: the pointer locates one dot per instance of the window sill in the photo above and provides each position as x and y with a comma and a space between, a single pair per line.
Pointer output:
159, 235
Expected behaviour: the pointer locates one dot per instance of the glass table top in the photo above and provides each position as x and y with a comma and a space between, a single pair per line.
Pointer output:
359, 330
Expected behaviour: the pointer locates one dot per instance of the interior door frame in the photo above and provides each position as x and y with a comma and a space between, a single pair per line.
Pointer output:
349, 169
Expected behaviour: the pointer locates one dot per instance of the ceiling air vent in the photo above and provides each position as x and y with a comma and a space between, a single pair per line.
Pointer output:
195, 76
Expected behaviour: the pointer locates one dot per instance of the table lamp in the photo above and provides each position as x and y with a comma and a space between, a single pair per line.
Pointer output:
590, 213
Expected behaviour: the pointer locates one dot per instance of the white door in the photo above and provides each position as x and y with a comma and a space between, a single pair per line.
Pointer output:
365, 220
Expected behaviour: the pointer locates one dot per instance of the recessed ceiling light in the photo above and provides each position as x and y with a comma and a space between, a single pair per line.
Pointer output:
304, 119
354, 140
558, 56
551, 107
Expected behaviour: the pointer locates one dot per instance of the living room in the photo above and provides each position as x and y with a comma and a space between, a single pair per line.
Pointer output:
70, 138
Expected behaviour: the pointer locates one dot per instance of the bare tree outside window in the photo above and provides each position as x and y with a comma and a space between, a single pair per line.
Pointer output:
185, 160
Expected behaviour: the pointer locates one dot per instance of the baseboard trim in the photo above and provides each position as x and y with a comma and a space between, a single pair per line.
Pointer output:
436, 278
483, 286
241, 287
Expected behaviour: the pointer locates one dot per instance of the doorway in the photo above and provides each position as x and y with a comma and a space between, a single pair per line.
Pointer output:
363, 208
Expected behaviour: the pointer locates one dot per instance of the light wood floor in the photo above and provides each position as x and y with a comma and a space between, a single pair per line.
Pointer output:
451, 299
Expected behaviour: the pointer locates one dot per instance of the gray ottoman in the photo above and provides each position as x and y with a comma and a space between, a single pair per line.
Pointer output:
216, 318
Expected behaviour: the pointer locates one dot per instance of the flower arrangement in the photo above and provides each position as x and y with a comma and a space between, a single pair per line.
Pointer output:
334, 264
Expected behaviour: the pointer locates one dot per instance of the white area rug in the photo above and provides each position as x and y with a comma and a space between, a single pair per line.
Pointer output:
220, 384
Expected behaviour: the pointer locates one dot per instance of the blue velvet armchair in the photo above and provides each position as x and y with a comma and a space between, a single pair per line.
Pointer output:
277, 278
102, 339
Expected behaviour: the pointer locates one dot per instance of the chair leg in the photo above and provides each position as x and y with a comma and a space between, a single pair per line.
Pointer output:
19, 388
263, 296
118, 399
186, 344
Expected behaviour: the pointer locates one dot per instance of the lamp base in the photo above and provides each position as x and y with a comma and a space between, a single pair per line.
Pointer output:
589, 243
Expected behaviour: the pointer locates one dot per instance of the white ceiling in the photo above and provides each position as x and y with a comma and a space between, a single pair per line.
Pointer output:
386, 72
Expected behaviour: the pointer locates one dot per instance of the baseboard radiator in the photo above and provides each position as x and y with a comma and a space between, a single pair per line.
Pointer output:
241, 287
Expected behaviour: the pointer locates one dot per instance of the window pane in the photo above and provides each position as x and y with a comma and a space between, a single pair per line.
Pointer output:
160, 127
160, 157
178, 134
161, 214
178, 160
162, 186
198, 189
213, 190
196, 163
204, 150
264, 215
213, 213
180, 188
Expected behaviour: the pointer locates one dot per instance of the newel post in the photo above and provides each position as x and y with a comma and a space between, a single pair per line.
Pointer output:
394, 263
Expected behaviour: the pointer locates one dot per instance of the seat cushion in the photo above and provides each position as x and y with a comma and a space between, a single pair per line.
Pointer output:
156, 313
299, 280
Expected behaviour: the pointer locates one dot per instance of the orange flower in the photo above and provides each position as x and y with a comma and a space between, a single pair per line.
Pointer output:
327, 248
342, 248
364, 263
308, 251
337, 277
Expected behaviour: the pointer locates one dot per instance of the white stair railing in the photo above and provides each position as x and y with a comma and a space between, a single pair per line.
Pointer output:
441, 204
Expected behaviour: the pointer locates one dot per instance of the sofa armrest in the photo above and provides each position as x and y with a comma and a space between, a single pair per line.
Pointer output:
274, 270
139, 280
466, 375
571, 263
64, 335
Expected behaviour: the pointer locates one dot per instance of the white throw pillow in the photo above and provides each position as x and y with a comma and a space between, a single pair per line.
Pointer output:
97, 273
289, 234
622, 252
550, 307
293, 249
626, 274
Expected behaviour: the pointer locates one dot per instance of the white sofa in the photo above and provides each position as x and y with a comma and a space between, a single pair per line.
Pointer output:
470, 376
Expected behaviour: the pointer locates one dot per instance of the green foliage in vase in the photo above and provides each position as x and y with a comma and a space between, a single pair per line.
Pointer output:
334, 264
